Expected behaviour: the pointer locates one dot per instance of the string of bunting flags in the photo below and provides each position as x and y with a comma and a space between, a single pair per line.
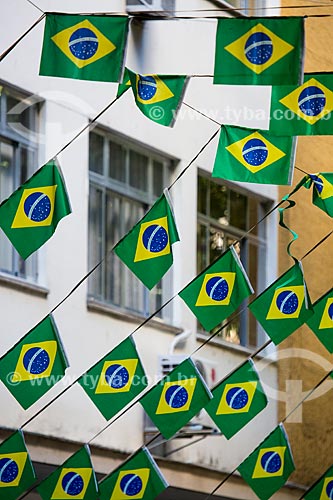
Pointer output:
255, 51
106, 376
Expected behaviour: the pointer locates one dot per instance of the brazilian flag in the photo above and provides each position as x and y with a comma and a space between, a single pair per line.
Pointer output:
35, 364
218, 290
322, 190
84, 47
115, 380
284, 306
250, 156
147, 248
158, 97
305, 109
268, 467
125, 84
29, 217
177, 398
75, 478
321, 322
259, 51
237, 399
16, 470
322, 489
138, 477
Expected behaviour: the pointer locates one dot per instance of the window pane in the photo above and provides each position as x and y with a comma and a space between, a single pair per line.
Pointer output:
238, 210
17, 164
217, 244
96, 143
6, 188
155, 300
231, 332
113, 233
201, 247
119, 210
253, 264
203, 184
27, 164
6, 170
21, 116
228, 207
219, 203
253, 214
138, 174
157, 178
26, 268
134, 292
96, 241
117, 162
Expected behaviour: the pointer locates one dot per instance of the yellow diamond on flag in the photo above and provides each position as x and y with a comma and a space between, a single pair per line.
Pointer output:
36, 207
83, 43
153, 240
286, 303
116, 376
323, 187
131, 484
176, 396
216, 289
236, 398
150, 89
327, 317
72, 483
35, 361
15, 461
270, 462
311, 101
259, 48
255, 152
327, 489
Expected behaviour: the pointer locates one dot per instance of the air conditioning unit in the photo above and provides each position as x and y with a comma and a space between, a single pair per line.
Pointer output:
150, 6
208, 370
167, 363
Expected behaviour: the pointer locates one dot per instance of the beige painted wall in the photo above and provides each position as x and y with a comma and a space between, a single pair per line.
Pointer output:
310, 429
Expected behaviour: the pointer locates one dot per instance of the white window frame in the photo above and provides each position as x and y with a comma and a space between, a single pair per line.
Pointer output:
19, 139
105, 185
232, 233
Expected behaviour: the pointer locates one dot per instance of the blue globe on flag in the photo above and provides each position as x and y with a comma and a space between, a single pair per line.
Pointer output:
217, 288
176, 396
37, 206
147, 87
83, 43
131, 485
8, 470
271, 462
311, 101
36, 360
255, 152
258, 48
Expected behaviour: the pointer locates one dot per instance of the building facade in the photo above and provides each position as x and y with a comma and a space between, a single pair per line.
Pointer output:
304, 361
114, 171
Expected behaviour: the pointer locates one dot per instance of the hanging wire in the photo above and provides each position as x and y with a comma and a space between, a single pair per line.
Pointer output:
158, 15
9, 49
36, 6
195, 351
109, 251
3, 55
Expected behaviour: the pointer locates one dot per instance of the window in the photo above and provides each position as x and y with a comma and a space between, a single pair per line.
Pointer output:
225, 215
18, 161
124, 182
